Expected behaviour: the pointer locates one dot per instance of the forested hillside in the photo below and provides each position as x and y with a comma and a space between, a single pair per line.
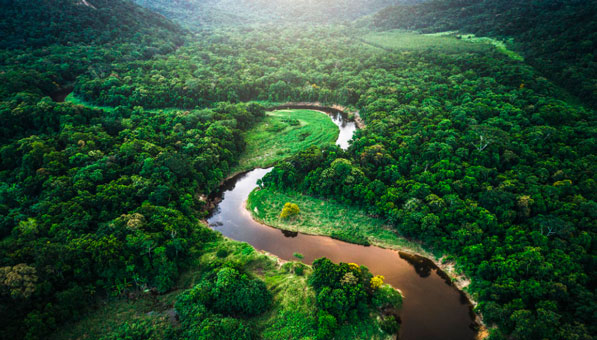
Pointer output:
226, 13
40, 23
53, 252
45, 45
559, 38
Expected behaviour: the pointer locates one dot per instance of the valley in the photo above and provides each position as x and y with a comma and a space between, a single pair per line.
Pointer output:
343, 169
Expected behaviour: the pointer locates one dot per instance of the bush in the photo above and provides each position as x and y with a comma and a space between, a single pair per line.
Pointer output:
299, 269
326, 325
237, 294
289, 210
221, 253
220, 328
390, 325
377, 281
209, 310
386, 297
350, 238
141, 330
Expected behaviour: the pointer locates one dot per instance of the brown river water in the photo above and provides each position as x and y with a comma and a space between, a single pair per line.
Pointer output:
432, 308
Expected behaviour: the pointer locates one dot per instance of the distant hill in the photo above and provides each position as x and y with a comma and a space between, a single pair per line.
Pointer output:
558, 37
37, 23
218, 13
45, 45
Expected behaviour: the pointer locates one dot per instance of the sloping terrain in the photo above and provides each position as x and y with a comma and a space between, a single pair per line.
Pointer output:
45, 45
559, 38
225, 13
40, 23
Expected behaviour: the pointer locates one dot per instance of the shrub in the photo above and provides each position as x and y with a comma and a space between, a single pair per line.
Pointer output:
289, 210
387, 297
299, 269
326, 325
377, 281
221, 253
235, 293
390, 325
143, 329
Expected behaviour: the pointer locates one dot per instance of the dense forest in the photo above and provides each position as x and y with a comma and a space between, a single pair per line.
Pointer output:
209, 14
557, 37
46, 45
486, 159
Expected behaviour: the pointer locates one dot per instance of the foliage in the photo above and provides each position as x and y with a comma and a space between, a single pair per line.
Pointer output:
142, 329
325, 217
289, 210
475, 155
110, 200
275, 138
377, 281
471, 152
385, 297
212, 308
65, 21
45, 45
299, 269
556, 37
224, 13
18, 281
344, 292
390, 325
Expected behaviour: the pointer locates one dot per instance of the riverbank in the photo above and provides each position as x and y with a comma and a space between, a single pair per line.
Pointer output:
293, 313
349, 114
327, 218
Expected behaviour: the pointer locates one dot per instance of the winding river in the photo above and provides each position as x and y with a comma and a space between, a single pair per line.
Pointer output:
432, 309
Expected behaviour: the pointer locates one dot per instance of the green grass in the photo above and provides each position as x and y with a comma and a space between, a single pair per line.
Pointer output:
409, 41
449, 42
322, 217
71, 98
293, 314
283, 133
499, 45
111, 313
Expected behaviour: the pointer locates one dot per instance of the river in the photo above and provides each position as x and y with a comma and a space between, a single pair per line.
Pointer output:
433, 308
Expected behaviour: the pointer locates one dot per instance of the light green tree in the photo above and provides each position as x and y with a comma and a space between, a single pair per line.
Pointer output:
289, 210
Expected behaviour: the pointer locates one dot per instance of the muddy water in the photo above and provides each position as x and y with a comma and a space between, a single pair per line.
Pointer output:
432, 309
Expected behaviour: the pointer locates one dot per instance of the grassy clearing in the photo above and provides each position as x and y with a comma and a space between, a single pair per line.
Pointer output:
499, 45
279, 135
112, 312
71, 98
293, 314
321, 217
449, 42
284, 133
409, 41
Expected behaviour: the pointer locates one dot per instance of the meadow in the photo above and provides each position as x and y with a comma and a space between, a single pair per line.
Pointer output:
398, 40
283, 133
326, 217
